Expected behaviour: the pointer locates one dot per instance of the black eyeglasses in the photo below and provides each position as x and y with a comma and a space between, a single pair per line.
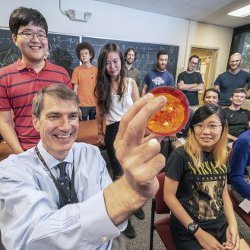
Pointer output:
195, 63
30, 34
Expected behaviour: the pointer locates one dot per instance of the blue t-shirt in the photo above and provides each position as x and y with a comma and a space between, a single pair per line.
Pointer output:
239, 160
228, 82
157, 78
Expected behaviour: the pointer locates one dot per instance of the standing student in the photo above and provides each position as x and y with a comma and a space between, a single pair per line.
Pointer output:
22, 79
160, 76
84, 80
130, 71
195, 187
115, 95
232, 79
190, 82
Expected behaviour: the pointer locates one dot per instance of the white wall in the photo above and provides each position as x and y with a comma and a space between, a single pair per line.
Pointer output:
116, 22
211, 36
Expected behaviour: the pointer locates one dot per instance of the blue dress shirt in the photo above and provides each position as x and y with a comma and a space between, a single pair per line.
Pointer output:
29, 214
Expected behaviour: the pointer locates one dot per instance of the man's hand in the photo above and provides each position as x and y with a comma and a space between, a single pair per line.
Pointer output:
181, 84
140, 160
100, 139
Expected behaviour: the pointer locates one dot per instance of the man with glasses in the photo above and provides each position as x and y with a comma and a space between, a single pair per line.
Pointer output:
190, 82
232, 79
22, 79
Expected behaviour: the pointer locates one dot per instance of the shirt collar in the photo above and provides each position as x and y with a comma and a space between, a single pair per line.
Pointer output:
50, 160
129, 68
21, 66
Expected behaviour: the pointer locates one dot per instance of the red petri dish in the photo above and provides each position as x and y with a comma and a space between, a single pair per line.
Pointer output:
173, 117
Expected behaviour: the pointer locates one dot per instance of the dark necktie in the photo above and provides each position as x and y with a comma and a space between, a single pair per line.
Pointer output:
66, 195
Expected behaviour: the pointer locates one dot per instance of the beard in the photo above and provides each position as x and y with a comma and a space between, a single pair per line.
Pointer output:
129, 62
161, 67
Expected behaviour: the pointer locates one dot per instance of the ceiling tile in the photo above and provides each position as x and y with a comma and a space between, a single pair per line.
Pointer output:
208, 11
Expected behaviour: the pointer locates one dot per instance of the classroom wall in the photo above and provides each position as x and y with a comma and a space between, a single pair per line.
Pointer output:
117, 22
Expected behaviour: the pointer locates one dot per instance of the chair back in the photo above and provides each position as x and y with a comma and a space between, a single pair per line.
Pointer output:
160, 205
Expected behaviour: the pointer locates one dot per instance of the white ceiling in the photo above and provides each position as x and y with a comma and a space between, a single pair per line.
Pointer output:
207, 11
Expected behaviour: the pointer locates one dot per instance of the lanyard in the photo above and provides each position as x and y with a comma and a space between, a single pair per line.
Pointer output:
58, 186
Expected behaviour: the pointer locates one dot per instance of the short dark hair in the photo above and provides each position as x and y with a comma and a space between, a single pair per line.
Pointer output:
161, 52
239, 90
23, 16
194, 56
212, 90
128, 50
85, 45
56, 91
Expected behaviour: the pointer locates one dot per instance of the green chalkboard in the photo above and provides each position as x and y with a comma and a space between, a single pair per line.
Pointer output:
146, 53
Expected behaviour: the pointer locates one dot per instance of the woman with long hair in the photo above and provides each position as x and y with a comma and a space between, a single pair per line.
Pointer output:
195, 187
115, 94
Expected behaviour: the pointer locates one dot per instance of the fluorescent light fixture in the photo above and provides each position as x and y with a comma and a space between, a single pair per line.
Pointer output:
242, 12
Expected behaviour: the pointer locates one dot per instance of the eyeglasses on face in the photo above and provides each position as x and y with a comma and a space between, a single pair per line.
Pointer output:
30, 34
192, 62
211, 127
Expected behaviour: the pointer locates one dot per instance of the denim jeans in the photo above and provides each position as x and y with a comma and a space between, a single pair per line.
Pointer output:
88, 112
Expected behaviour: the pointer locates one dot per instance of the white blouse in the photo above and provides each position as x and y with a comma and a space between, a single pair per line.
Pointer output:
119, 108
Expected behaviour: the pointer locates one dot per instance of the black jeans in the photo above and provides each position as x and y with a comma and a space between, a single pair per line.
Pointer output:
88, 112
110, 134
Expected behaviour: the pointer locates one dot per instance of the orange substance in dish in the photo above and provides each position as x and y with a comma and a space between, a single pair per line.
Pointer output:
170, 119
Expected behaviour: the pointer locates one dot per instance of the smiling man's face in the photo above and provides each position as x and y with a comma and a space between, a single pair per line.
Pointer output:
58, 125
34, 47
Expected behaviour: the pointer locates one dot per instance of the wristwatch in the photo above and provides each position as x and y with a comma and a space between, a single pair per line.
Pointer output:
193, 227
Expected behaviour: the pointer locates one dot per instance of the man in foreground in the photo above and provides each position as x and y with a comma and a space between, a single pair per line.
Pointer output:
37, 212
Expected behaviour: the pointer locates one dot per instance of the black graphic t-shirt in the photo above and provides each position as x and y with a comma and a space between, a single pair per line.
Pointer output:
200, 187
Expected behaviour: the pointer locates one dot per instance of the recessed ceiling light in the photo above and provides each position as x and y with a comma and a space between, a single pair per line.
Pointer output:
242, 12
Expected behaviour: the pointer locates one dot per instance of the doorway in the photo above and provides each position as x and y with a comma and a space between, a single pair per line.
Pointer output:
206, 66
